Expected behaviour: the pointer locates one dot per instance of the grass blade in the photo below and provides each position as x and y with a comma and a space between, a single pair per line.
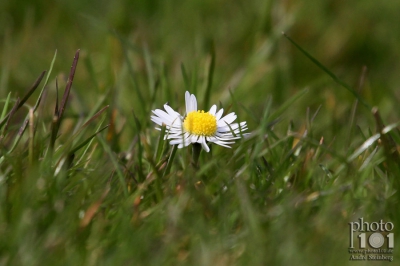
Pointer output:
25, 98
95, 116
19, 135
31, 135
170, 160
160, 144
3, 113
45, 82
140, 148
115, 163
327, 71
68, 88
11, 113
59, 112
210, 78
78, 147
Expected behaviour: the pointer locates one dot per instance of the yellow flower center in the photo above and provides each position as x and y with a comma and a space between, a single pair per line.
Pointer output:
200, 123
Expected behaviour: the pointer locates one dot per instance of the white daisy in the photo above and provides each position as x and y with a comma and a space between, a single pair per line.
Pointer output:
198, 126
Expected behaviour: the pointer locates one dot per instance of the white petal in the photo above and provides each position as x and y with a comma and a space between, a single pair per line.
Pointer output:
181, 140
187, 102
233, 127
180, 136
243, 124
173, 134
228, 128
213, 109
171, 111
211, 139
159, 113
219, 114
193, 102
226, 136
229, 118
204, 144
194, 139
222, 144
165, 117
156, 120
176, 141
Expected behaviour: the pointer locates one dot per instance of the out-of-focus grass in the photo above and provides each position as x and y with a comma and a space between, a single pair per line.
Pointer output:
283, 196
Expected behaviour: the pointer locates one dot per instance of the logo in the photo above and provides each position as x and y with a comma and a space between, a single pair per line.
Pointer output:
371, 241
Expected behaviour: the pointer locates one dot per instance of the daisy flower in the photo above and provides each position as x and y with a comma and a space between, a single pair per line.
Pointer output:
198, 126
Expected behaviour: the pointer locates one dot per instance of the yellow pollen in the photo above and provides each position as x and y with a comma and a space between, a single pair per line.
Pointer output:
200, 123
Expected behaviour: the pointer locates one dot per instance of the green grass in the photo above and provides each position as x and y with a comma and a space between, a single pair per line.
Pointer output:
85, 179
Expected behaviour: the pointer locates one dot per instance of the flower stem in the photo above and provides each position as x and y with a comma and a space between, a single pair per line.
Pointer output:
196, 149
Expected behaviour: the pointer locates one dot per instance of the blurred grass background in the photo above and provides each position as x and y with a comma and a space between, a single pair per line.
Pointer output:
252, 58
131, 57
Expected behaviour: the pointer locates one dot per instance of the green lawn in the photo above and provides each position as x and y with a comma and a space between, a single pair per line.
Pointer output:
86, 179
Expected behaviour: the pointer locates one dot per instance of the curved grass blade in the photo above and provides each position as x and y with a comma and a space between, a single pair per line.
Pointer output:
78, 147
45, 82
36, 84
25, 98
326, 70
94, 117
170, 160
10, 114
19, 135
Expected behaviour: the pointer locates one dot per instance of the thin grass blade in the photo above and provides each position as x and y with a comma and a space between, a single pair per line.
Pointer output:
210, 78
160, 144
25, 98
68, 88
327, 71
78, 147
3, 113
114, 161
